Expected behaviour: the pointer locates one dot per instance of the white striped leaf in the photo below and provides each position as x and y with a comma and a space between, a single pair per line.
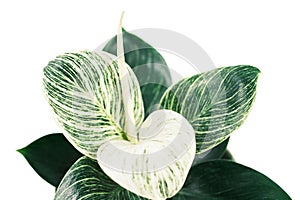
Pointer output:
154, 164
86, 181
157, 166
215, 102
84, 90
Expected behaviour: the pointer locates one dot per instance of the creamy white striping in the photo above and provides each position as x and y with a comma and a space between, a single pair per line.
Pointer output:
157, 166
215, 102
126, 85
84, 91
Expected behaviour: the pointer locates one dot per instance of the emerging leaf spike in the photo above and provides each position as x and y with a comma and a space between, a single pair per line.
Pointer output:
120, 47
129, 128
127, 93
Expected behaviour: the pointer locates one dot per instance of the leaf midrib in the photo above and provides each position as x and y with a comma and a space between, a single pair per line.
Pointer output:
210, 106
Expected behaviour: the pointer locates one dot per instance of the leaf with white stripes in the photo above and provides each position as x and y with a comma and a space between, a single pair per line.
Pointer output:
84, 90
86, 181
157, 165
215, 102
87, 92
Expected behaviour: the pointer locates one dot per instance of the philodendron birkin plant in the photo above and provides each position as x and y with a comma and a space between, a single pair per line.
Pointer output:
116, 146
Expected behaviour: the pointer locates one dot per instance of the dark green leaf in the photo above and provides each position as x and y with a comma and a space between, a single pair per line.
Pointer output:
215, 102
226, 180
86, 181
149, 66
51, 156
227, 156
215, 153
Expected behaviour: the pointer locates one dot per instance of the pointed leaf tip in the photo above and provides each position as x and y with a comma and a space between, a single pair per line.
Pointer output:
20, 151
50, 156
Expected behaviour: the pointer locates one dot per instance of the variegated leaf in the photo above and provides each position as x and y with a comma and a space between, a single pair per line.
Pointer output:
215, 102
86, 181
157, 165
84, 90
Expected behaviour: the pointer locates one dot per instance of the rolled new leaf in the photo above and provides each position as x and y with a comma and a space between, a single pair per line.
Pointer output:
215, 102
148, 65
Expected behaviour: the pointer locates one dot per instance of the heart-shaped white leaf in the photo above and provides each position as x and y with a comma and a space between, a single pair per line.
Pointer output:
157, 165
84, 90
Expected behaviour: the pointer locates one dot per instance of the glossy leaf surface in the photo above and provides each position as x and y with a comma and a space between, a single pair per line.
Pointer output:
215, 102
51, 157
86, 181
84, 90
227, 180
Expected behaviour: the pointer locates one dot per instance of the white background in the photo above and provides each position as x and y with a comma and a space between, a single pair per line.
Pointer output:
260, 33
